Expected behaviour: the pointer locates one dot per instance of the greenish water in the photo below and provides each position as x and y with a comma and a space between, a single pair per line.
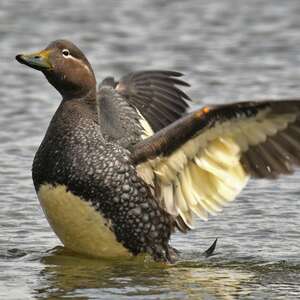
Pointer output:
229, 50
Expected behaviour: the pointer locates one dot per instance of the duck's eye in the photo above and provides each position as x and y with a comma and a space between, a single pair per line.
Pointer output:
66, 52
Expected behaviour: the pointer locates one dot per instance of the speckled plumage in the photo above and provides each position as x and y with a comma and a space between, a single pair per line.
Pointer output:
119, 122
73, 154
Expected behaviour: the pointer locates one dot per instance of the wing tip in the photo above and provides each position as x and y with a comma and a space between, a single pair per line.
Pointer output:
210, 251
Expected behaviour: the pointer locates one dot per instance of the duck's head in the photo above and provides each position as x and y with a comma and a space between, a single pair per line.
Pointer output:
65, 67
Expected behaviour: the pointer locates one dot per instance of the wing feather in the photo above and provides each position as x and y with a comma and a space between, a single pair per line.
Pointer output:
155, 94
204, 160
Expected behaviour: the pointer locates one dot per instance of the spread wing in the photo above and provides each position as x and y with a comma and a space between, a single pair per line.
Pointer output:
155, 94
201, 162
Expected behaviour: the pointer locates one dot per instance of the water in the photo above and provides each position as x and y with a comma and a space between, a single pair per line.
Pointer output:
229, 50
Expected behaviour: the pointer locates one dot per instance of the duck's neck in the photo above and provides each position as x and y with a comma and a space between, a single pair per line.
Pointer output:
84, 89
88, 96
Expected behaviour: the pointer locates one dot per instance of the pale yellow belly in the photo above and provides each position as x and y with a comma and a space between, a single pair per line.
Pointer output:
77, 224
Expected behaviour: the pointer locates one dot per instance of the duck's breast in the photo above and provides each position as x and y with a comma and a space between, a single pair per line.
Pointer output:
79, 226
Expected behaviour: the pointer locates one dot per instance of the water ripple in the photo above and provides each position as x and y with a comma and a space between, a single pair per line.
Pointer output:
229, 50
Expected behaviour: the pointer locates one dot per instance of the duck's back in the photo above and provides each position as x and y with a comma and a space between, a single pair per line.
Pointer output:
90, 192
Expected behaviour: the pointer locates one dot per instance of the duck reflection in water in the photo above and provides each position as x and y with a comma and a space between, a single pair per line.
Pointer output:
69, 275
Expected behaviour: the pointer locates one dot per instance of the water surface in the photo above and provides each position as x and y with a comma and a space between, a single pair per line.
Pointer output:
229, 50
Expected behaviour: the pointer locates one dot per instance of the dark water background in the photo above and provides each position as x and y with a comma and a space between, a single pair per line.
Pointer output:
229, 50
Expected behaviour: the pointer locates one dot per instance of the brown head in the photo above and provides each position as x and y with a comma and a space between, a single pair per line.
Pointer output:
65, 67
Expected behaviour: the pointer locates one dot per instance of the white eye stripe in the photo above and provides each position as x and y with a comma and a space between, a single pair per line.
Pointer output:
66, 53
